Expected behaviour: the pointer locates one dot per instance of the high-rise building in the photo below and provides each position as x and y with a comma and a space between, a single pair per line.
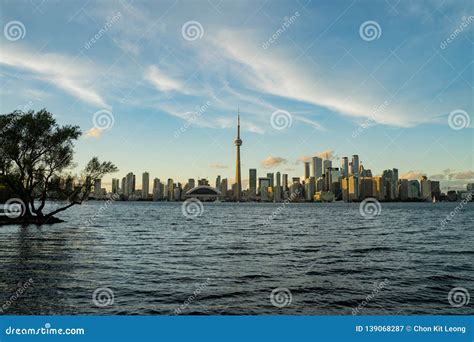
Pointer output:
306, 170
124, 185
277, 193
218, 182
345, 167
271, 177
413, 189
285, 182
252, 183
403, 189
115, 186
145, 185
310, 188
365, 187
378, 188
130, 184
192, 183
238, 178
170, 189
435, 190
98, 188
425, 186
355, 164
317, 167
223, 188
327, 163
263, 188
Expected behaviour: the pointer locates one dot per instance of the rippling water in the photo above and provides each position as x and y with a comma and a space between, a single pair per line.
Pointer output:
326, 257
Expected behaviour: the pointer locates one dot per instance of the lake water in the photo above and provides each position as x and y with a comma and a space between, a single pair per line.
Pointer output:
148, 258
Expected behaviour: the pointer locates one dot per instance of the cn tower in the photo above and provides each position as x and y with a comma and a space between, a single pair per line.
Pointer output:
238, 143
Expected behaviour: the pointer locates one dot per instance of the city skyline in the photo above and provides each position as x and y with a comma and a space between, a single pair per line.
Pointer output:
158, 92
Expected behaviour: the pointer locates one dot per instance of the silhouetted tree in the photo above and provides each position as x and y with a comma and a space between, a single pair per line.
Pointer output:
35, 152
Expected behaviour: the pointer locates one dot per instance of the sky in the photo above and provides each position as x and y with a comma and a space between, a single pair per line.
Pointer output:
156, 86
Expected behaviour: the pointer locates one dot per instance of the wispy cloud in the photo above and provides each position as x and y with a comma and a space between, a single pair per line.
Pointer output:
162, 81
72, 75
218, 166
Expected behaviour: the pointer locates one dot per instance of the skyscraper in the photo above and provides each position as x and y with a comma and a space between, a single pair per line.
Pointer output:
145, 185
306, 170
345, 167
115, 185
271, 177
327, 163
355, 165
238, 179
317, 167
252, 183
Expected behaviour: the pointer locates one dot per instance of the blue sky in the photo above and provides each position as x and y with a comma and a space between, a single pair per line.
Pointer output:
171, 75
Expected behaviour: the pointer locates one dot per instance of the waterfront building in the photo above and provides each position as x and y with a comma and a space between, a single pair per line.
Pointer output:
170, 190
115, 186
252, 184
263, 188
277, 192
355, 165
413, 189
218, 182
306, 170
365, 188
204, 193
345, 167
145, 185
403, 189
310, 188
223, 189
378, 188
435, 190
425, 186
317, 167
326, 165
285, 182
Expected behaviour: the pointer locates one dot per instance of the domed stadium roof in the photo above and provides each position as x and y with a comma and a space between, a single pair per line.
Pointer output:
203, 190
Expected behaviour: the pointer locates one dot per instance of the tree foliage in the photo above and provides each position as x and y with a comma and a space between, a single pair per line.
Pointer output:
35, 153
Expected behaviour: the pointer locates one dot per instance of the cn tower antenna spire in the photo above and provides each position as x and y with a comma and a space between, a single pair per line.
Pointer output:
238, 178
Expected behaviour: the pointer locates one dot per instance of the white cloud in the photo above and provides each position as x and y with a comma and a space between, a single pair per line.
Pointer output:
163, 82
69, 74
